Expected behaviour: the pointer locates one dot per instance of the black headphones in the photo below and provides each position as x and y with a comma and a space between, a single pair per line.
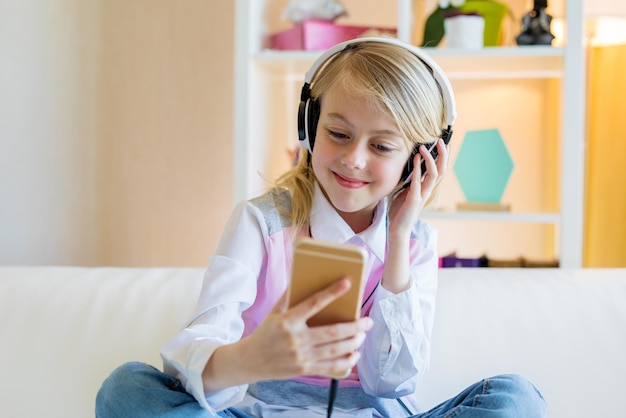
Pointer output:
309, 109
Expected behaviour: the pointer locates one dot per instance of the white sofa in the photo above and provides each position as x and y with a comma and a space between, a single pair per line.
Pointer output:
63, 329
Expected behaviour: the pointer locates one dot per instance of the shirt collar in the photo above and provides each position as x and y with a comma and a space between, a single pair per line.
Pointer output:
326, 224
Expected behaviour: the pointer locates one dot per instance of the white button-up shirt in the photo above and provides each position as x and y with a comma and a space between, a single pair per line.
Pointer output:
250, 271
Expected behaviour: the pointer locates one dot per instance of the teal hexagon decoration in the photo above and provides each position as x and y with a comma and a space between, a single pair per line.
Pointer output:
483, 166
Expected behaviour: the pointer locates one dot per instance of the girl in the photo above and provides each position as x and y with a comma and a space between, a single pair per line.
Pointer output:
366, 106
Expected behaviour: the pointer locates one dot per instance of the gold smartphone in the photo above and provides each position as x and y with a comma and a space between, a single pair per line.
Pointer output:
316, 264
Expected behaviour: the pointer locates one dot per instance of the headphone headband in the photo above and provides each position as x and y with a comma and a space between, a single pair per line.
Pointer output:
438, 74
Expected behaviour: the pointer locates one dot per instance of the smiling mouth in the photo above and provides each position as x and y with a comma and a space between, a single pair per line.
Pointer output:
348, 182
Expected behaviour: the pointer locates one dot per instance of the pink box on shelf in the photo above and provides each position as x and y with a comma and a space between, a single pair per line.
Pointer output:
316, 35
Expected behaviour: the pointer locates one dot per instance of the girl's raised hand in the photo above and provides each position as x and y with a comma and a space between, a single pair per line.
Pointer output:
404, 213
408, 204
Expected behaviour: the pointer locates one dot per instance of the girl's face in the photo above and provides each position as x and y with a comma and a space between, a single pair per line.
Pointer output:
358, 156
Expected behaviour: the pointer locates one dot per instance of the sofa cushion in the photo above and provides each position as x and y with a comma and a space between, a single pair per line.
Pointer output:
563, 329
64, 329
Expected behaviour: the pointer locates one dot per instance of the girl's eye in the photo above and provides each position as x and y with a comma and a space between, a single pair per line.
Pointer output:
382, 148
338, 135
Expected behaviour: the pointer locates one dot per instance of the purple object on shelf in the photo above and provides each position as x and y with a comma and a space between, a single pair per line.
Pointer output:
453, 261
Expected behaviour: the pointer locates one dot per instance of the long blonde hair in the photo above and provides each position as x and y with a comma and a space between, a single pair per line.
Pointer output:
397, 81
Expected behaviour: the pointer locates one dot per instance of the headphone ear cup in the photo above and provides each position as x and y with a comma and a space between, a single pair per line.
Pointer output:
313, 117
308, 116
302, 137
408, 167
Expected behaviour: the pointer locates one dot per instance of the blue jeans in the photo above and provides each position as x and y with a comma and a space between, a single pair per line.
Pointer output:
136, 390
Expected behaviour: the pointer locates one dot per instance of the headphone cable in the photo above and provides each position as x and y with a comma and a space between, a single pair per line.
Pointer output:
332, 394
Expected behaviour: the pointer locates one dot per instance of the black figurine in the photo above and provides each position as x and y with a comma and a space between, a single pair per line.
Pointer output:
536, 26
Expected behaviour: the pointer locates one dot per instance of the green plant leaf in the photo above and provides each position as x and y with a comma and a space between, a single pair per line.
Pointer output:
433, 29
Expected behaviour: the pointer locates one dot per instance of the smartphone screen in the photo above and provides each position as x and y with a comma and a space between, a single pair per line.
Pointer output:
317, 264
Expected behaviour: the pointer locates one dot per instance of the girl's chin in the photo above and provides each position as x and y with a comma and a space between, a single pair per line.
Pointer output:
349, 200
352, 206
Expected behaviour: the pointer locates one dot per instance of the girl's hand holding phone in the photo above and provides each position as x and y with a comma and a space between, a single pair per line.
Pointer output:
284, 346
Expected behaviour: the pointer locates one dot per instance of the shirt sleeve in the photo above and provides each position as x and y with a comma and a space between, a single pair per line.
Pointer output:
397, 349
229, 287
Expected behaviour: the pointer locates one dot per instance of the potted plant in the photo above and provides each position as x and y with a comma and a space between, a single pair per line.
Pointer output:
492, 12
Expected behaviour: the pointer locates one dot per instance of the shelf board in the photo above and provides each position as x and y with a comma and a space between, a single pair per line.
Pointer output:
501, 62
486, 63
537, 217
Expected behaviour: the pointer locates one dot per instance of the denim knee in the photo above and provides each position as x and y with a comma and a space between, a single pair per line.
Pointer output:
130, 385
128, 374
517, 395
115, 385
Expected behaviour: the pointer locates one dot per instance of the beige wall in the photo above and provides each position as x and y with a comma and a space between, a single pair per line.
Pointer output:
115, 130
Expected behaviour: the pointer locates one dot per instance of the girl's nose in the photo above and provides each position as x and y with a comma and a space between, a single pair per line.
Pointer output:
354, 156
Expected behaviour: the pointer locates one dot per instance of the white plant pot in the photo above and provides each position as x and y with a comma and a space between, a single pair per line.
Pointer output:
464, 31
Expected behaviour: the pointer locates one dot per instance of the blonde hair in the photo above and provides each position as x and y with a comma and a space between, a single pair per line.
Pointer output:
397, 81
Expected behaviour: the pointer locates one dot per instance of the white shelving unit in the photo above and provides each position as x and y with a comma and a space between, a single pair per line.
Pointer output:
268, 85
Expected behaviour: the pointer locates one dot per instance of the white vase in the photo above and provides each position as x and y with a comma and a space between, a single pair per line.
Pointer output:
464, 31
